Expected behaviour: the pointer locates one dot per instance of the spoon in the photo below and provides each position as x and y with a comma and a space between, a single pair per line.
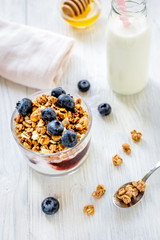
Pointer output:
121, 204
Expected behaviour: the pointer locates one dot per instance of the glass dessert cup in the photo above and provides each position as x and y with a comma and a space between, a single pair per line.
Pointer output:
60, 163
87, 18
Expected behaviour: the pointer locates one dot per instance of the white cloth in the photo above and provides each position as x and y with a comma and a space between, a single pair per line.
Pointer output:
31, 56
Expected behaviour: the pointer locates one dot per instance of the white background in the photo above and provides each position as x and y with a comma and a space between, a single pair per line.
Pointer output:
22, 190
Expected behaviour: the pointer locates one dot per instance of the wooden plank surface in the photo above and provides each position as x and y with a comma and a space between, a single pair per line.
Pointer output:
22, 190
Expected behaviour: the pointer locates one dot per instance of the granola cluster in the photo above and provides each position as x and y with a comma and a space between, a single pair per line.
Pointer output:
126, 148
89, 209
130, 191
32, 129
99, 192
117, 160
136, 136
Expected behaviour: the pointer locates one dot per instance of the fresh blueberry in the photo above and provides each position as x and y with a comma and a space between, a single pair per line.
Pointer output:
48, 114
70, 95
66, 101
24, 106
56, 92
104, 109
50, 205
84, 85
55, 127
69, 138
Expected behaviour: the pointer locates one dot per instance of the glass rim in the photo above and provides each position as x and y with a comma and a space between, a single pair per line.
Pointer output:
58, 153
125, 9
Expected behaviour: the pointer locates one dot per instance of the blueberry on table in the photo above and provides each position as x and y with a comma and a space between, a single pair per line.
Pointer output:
84, 85
50, 205
55, 128
69, 138
104, 109
48, 114
66, 101
24, 106
56, 92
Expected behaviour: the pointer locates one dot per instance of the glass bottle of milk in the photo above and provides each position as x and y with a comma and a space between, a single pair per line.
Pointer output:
128, 44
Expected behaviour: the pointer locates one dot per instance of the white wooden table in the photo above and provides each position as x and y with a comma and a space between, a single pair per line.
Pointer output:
22, 190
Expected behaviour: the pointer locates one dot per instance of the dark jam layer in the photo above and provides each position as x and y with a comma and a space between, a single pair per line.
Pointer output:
72, 162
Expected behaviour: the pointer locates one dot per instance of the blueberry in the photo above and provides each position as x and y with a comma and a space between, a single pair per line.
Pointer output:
50, 205
55, 127
104, 109
84, 85
69, 138
24, 106
56, 92
48, 114
66, 101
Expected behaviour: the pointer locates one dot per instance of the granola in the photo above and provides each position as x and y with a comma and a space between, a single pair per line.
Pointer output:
126, 148
89, 209
140, 185
117, 160
136, 136
31, 129
99, 191
131, 191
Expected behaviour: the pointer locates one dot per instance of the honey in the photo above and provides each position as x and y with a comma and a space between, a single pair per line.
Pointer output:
87, 18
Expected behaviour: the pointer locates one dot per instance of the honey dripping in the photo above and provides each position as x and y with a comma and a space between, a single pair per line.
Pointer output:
80, 13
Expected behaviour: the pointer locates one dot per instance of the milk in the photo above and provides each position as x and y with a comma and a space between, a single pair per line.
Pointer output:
128, 54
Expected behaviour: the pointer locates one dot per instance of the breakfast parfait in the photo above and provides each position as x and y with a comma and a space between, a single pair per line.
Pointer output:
52, 130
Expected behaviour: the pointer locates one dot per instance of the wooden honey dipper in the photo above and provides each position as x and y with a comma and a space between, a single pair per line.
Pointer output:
74, 8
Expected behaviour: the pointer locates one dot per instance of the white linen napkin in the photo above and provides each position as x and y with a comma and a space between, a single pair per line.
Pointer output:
32, 57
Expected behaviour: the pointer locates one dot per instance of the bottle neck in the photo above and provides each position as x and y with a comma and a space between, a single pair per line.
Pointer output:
130, 9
